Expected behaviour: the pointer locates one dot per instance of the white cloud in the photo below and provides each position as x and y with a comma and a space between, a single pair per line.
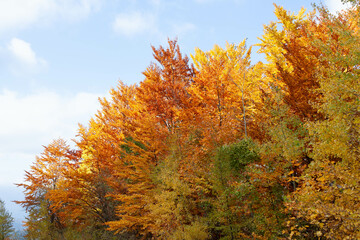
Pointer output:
13, 167
28, 122
24, 58
130, 24
43, 112
18, 14
336, 5
22, 51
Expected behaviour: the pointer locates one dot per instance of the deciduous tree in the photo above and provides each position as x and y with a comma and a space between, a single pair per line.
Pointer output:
329, 196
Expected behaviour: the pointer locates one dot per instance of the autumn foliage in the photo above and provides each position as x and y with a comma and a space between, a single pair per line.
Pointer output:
219, 148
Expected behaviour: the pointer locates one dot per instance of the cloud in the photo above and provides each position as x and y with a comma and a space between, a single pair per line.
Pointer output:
13, 167
134, 23
336, 5
30, 121
24, 58
43, 112
18, 14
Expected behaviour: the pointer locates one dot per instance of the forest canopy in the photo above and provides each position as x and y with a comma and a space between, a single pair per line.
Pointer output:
216, 147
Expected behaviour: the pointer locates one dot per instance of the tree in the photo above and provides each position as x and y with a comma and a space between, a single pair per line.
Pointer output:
350, 1
219, 93
231, 215
45, 176
292, 70
330, 193
102, 171
172, 204
151, 116
164, 92
137, 145
84, 197
6, 222
292, 60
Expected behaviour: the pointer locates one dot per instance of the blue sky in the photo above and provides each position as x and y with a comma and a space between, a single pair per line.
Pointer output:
58, 56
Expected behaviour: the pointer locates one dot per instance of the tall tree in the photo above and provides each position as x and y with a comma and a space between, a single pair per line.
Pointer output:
292, 60
224, 95
329, 196
84, 197
152, 117
218, 92
292, 68
164, 92
6, 222
45, 176
225, 92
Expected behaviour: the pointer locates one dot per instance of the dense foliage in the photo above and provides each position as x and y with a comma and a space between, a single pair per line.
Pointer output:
218, 149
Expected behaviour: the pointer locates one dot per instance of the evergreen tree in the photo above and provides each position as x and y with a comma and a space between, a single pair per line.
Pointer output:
6, 222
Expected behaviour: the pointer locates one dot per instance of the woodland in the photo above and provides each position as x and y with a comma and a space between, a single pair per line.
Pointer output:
211, 146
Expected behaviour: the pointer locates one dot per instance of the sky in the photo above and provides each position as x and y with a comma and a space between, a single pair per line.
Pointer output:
57, 57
